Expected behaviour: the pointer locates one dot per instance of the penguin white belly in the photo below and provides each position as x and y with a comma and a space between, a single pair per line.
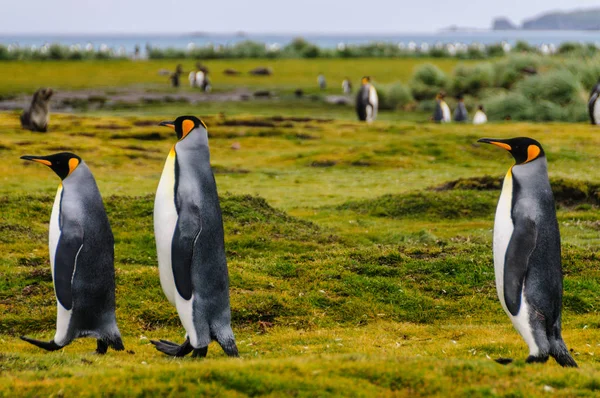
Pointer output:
597, 111
479, 118
374, 101
503, 229
445, 112
165, 220
63, 316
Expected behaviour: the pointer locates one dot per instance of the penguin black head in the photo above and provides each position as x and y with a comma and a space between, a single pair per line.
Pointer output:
63, 163
366, 79
523, 149
183, 125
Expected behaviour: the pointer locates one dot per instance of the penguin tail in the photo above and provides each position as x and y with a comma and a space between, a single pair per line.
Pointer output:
504, 361
560, 352
46, 345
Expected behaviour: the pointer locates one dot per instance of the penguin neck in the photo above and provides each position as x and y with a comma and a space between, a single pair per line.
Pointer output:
196, 141
532, 177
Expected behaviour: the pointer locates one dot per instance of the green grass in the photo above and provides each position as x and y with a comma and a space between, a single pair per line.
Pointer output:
349, 274
288, 74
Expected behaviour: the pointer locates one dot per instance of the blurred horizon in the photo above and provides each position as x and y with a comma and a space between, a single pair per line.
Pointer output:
144, 17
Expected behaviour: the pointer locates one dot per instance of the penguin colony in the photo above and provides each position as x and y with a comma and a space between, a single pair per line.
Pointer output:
188, 229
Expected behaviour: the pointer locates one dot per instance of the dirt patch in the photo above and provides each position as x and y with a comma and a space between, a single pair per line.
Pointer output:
361, 163
85, 134
217, 169
484, 183
141, 149
112, 126
566, 192
323, 163
249, 123
144, 123
299, 119
302, 136
153, 136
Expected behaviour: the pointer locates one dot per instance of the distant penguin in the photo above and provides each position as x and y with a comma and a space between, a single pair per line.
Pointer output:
190, 243
441, 113
460, 113
81, 249
594, 104
527, 254
367, 101
347, 86
175, 76
480, 116
37, 116
322, 82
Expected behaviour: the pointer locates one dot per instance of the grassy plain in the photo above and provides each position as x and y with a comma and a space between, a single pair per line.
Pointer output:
349, 276
288, 74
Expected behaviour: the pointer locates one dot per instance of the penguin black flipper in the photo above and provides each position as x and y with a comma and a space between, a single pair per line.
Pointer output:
46, 345
187, 230
591, 104
65, 259
521, 245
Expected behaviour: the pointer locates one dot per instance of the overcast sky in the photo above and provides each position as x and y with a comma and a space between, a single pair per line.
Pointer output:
265, 16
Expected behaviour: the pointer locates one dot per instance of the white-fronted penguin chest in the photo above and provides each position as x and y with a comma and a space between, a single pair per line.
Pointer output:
503, 229
165, 220
54, 230
63, 316
597, 111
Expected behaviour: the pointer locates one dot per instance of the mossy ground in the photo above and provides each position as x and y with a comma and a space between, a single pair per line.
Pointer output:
349, 274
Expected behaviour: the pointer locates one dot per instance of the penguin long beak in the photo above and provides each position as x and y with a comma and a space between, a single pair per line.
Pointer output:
168, 124
38, 159
496, 142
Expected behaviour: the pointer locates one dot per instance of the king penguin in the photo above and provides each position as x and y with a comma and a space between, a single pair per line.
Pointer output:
367, 101
190, 243
527, 255
81, 249
594, 104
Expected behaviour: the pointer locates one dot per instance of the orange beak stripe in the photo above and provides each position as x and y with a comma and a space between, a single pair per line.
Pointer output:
501, 145
43, 161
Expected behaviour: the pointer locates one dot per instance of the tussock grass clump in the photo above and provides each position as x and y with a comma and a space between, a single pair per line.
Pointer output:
427, 81
509, 106
394, 96
430, 205
560, 87
472, 79
515, 67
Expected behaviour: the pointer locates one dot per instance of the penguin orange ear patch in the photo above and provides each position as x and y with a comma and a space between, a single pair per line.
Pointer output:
187, 126
533, 152
73, 163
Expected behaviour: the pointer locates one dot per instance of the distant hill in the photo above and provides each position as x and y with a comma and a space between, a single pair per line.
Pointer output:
503, 24
572, 20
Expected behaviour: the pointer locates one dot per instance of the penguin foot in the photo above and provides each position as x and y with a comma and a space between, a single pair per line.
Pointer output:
173, 349
200, 352
503, 361
46, 345
101, 347
540, 359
